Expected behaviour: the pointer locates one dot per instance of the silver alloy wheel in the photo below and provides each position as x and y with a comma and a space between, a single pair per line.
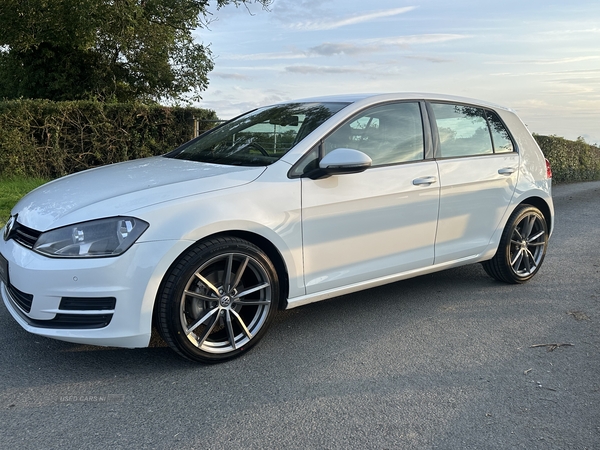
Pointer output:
522, 247
225, 302
527, 245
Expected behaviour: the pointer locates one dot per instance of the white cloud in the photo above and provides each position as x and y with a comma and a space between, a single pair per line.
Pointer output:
324, 70
431, 59
229, 76
559, 60
339, 48
567, 32
378, 45
352, 48
237, 99
265, 56
419, 39
351, 20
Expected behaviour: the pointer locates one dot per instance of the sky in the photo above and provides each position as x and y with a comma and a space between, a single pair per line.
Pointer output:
540, 58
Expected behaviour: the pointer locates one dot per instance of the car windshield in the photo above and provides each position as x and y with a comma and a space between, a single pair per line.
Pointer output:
260, 137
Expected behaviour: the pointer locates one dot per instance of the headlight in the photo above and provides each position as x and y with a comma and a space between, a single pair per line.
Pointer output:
93, 239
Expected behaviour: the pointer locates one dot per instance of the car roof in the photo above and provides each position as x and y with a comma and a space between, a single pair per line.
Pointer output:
375, 98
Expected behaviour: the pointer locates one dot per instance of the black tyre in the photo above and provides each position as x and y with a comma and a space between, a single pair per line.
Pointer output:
522, 247
218, 300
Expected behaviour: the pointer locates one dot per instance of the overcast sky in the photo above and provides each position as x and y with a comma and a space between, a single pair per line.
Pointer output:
538, 57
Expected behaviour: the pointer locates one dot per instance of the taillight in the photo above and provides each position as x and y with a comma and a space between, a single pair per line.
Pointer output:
548, 169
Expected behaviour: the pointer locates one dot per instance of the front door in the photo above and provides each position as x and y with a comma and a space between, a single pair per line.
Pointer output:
358, 227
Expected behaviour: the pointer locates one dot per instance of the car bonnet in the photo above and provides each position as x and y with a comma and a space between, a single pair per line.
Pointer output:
121, 188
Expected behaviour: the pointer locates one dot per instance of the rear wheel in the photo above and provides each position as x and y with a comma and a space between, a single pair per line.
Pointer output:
218, 300
522, 247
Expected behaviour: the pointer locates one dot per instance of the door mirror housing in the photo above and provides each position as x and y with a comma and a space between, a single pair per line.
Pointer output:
342, 161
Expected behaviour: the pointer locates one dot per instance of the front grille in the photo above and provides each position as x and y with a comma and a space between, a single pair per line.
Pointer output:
25, 236
87, 304
22, 299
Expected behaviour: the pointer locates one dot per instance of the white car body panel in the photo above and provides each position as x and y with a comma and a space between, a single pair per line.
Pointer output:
474, 198
368, 225
118, 189
326, 248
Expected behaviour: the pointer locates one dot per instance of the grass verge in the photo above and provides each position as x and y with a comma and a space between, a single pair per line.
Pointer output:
11, 191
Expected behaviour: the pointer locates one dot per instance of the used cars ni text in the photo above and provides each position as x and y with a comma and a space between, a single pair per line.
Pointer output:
283, 206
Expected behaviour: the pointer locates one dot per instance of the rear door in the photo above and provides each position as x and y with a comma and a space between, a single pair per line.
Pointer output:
478, 168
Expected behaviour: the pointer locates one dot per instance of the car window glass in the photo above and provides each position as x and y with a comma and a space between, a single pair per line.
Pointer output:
389, 134
462, 130
500, 136
260, 137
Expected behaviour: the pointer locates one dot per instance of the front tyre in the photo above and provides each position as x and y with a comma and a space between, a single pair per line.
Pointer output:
522, 247
218, 300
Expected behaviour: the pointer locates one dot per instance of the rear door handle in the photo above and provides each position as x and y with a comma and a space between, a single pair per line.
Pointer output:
424, 181
507, 171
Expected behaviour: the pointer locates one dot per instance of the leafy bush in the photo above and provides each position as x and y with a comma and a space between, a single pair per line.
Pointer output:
571, 161
45, 139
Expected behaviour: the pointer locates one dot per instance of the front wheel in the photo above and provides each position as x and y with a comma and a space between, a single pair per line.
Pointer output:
218, 300
522, 247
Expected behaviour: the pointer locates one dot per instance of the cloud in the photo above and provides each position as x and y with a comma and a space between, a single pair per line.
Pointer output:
566, 32
230, 76
547, 61
420, 39
345, 48
559, 60
578, 81
323, 70
431, 59
351, 48
266, 56
378, 45
351, 20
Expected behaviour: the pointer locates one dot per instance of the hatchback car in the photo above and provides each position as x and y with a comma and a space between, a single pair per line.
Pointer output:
283, 206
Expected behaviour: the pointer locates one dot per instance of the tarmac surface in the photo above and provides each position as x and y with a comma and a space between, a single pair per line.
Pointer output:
452, 360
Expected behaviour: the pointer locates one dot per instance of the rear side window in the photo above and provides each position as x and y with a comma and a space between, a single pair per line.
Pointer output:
469, 131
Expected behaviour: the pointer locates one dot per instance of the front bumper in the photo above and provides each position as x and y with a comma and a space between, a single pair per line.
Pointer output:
100, 301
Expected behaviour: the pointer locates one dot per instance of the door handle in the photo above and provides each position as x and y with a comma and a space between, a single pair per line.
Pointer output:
507, 171
424, 181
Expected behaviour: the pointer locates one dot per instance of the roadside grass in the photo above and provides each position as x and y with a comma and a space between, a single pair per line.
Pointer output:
11, 191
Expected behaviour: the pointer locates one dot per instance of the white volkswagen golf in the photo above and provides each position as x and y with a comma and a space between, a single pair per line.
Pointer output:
283, 206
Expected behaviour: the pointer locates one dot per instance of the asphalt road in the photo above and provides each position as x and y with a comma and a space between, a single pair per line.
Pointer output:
440, 361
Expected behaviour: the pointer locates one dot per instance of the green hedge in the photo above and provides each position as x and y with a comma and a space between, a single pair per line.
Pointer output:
571, 161
45, 139
41, 138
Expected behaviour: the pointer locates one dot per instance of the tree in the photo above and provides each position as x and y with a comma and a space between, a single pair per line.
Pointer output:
117, 50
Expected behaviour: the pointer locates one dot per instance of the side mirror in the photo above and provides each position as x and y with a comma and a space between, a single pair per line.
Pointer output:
344, 160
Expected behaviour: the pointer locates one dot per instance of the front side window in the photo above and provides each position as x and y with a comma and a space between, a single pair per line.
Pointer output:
260, 137
389, 134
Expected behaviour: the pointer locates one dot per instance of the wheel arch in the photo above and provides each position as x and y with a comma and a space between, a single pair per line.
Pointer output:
543, 206
274, 255
261, 242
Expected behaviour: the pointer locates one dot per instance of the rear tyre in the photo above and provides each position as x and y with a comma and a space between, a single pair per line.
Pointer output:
522, 247
218, 300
